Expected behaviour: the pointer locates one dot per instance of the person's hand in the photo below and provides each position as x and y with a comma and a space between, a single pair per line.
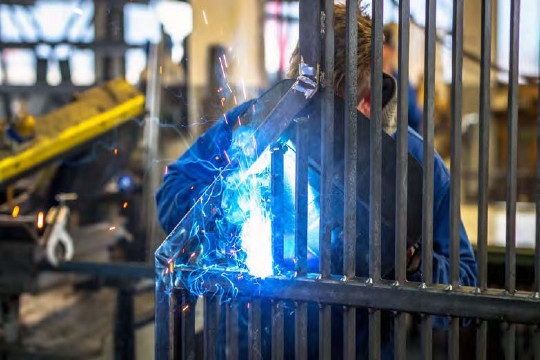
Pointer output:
414, 258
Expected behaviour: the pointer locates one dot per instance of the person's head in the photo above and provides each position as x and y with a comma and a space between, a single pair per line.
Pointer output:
390, 47
363, 57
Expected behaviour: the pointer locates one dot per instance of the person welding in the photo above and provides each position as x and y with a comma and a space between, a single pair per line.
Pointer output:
189, 176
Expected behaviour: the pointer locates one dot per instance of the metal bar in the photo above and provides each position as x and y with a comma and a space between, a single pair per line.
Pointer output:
349, 333
481, 340
436, 300
375, 168
301, 196
536, 342
455, 165
300, 331
400, 330
427, 337
400, 336
325, 332
402, 142
429, 113
351, 146
175, 326
453, 339
231, 331
124, 324
511, 179
277, 205
351, 178
483, 172
277, 330
254, 330
374, 334
428, 152
510, 342
211, 326
187, 316
375, 127
327, 164
327, 144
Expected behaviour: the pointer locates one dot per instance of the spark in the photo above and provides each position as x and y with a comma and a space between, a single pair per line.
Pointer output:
229, 86
112, 228
244, 90
239, 121
217, 157
205, 19
235, 101
16, 211
115, 151
191, 188
226, 156
171, 266
125, 205
222, 68
160, 69
185, 308
225, 117
166, 170
225, 60
78, 11
40, 220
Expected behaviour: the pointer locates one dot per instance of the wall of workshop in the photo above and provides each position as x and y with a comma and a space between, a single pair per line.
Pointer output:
238, 26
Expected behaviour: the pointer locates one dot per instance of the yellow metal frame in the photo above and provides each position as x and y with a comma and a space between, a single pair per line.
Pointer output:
90, 128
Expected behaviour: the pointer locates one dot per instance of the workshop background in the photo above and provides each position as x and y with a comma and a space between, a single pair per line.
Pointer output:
97, 97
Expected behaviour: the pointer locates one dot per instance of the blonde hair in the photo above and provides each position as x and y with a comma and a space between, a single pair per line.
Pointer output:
340, 38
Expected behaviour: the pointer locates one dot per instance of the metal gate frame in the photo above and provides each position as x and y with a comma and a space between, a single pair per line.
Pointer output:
175, 314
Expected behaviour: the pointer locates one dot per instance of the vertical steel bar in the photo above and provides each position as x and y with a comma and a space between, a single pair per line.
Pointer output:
300, 331
231, 331
301, 194
327, 156
453, 339
188, 326
483, 169
455, 166
536, 342
402, 142
511, 179
485, 116
175, 299
400, 336
277, 169
211, 326
429, 113
375, 171
277, 330
428, 152
351, 152
254, 329
511, 171
325, 332
481, 340
400, 332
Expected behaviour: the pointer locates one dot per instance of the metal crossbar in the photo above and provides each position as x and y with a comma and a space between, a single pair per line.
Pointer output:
224, 314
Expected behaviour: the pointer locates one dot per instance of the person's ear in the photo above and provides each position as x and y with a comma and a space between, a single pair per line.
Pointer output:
365, 106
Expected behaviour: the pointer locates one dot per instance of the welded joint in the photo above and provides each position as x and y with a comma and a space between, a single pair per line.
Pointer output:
307, 81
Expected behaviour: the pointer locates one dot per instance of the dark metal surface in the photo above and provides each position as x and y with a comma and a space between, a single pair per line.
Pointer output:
231, 331
277, 330
254, 330
300, 331
428, 132
211, 326
435, 300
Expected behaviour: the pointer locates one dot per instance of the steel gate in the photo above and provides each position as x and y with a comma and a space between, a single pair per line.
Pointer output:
175, 314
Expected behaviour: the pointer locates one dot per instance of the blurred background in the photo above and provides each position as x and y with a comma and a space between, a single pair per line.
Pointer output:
98, 96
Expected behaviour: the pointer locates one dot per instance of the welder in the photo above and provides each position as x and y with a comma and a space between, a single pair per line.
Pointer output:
188, 177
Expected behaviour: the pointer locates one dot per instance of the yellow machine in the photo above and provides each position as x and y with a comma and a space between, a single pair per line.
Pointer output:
92, 113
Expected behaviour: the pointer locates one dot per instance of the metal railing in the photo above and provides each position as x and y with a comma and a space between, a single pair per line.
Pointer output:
175, 319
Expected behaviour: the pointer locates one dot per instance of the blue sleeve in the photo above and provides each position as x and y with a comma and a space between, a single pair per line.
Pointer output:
187, 178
